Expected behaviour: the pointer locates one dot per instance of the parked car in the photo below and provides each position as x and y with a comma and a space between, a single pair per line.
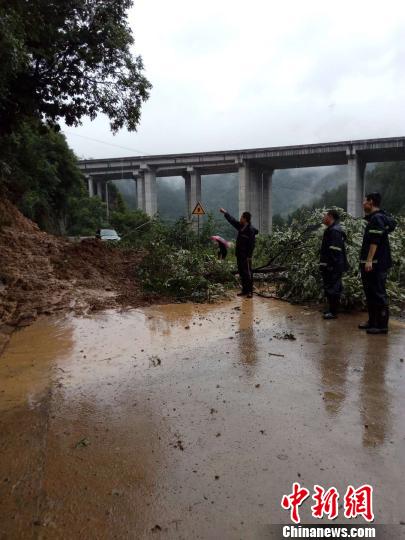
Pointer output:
108, 235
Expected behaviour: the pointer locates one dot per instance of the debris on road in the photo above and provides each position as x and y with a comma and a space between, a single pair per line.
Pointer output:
155, 361
286, 335
82, 443
42, 274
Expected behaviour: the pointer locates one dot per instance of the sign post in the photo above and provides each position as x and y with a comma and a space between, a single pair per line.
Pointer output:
198, 211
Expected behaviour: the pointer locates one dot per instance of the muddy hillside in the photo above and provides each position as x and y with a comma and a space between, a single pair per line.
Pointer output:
42, 274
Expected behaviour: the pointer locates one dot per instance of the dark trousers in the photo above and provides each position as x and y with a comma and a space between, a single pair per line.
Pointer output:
222, 251
245, 273
332, 284
374, 287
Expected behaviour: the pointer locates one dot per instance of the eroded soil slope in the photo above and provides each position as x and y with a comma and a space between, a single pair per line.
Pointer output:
41, 273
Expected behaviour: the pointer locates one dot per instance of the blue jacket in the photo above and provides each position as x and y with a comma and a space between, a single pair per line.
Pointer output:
246, 239
379, 225
333, 250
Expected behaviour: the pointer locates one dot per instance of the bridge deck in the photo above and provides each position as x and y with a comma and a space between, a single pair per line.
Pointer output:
282, 157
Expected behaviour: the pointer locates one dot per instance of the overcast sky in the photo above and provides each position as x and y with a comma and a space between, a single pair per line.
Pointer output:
230, 74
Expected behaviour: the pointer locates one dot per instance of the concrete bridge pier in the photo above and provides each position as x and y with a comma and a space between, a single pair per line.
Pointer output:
244, 188
355, 185
255, 195
187, 188
195, 188
99, 190
255, 176
140, 190
192, 179
150, 198
90, 185
266, 224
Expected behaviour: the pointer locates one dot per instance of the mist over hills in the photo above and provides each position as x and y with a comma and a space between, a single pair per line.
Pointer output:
291, 190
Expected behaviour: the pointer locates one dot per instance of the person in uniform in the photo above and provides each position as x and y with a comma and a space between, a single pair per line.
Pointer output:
245, 245
375, 262
333, 261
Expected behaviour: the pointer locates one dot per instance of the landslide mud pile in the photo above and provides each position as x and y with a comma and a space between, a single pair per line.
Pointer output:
43, 274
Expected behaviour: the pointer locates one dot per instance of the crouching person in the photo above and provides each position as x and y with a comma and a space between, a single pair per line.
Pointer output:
333, 262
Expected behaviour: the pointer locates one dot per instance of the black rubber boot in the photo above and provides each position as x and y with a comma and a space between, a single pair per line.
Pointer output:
327, 308
371, 323
333, 308
382, 318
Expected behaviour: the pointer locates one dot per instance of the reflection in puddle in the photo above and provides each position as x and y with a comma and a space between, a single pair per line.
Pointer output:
184, 410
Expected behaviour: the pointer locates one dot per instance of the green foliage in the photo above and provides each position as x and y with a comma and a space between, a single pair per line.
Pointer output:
85, 215
389, 180
65, 60
40, 173
133, 226
177, 264
299, 252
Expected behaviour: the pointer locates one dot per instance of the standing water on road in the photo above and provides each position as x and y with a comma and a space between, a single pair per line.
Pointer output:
192, 421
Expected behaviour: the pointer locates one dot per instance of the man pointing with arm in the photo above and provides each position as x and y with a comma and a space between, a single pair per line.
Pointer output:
245, 244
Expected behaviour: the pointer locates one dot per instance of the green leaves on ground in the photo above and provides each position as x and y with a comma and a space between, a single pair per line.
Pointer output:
178, 264
299, 252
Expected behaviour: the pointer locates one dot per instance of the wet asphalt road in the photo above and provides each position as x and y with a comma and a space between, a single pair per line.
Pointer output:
189, 421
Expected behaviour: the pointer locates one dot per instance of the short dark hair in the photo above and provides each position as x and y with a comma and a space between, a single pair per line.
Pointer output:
375, 198
333, 213
247, 216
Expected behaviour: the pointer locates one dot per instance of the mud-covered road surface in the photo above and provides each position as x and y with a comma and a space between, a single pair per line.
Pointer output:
192, 421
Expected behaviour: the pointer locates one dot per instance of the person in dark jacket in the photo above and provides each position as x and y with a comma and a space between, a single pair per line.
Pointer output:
245, 244
375, 262
333, 261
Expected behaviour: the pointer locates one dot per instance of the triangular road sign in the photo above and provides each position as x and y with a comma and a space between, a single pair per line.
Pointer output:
198, 210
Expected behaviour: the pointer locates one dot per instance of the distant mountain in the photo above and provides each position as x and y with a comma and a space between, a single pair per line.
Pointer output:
293, 188
386, 178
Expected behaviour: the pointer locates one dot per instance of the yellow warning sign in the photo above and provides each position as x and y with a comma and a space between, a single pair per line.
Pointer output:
198, 210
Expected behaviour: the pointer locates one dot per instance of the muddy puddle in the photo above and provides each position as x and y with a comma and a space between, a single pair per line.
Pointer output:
187, 421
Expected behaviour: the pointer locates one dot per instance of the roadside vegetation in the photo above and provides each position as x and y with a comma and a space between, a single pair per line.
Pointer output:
62, 62
176, 261
296, 247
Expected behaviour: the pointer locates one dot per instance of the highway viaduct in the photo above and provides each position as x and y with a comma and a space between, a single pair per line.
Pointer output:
254, 166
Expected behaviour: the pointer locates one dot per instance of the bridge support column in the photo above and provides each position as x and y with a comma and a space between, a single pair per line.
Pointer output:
192, 180
256, 197
355, 185
90, 184
150, 191
195, 188
99, 189
140, 190
187, 185
251, 193
244, 188
266, 225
